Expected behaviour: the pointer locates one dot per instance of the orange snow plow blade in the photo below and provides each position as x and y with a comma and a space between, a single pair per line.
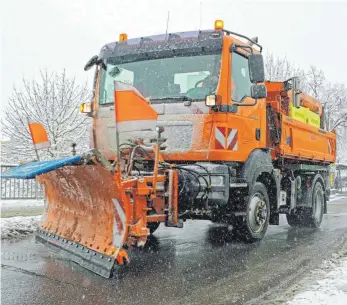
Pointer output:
85, 215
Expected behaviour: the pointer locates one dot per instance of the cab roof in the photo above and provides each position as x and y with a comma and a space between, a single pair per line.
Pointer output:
171, 41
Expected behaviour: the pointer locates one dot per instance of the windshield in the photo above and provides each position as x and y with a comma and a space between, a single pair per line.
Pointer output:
191, 77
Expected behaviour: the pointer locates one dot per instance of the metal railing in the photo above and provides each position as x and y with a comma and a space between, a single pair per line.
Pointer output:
19, 188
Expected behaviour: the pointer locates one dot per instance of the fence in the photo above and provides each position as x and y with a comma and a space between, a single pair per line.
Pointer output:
19, 188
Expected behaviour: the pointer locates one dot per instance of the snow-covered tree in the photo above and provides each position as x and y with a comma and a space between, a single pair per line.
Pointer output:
54, 101
278, 69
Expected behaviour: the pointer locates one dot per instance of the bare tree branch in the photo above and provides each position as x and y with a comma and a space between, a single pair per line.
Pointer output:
52, 100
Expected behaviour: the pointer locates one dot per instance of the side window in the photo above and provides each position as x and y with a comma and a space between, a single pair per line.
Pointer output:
240, 81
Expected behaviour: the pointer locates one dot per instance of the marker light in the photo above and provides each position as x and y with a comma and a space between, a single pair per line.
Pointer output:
219, 25
123, 37
86, 108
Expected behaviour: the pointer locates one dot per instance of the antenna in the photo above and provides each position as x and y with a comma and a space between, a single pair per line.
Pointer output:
167, 22
200, 21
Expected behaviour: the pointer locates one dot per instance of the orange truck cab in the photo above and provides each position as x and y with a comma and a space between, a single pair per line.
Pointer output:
259, 148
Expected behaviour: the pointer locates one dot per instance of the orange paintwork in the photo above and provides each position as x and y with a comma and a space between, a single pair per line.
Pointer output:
38, 133
306, 142
74, 211
299, 140
132, 107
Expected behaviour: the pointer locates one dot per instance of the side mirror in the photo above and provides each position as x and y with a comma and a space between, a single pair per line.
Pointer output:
91, 62
256, 68
258, 91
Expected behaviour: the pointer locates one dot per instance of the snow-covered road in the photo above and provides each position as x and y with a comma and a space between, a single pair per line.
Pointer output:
325, 286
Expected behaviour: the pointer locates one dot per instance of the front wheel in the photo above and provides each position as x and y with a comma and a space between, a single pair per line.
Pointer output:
253, 225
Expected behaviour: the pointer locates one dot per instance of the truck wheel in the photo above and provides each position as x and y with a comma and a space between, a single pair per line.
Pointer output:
254, 224
152, 226
310, 217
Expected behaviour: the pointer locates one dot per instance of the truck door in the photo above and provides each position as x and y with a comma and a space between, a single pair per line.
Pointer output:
246, 121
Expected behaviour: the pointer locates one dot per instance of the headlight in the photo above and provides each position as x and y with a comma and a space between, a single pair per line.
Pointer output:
215, 180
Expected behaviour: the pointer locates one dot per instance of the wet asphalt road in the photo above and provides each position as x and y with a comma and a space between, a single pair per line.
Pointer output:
199, 264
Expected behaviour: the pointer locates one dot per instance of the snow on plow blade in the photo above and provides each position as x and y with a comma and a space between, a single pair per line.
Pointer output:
84, 216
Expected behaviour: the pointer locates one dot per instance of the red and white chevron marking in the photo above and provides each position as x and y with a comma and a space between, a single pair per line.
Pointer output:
329, 147
232, 140
220, 137
227, 140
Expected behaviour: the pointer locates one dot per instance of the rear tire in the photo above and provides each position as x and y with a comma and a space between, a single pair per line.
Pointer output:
253, 226
310, 217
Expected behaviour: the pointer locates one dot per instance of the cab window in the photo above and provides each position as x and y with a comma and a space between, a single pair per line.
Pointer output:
240, 81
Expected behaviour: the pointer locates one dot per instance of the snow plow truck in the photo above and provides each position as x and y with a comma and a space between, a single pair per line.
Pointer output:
184, 126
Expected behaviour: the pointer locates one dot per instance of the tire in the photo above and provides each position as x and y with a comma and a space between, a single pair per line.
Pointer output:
153, 226
253, 226
310, 217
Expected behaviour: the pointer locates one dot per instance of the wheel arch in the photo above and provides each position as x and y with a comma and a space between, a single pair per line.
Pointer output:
269, 182
259, 168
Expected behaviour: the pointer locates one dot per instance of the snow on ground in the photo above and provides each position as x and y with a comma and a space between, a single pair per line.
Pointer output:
328, 288
19, 226
22, 217
20, 203
10, 208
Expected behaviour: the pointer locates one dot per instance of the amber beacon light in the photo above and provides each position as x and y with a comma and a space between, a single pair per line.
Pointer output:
219, 25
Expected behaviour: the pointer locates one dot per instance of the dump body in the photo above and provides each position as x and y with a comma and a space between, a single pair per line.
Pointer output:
301, 133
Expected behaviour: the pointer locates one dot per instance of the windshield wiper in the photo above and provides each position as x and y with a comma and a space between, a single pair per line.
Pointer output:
176, 98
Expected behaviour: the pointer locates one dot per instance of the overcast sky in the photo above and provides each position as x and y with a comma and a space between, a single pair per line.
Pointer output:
58, 34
